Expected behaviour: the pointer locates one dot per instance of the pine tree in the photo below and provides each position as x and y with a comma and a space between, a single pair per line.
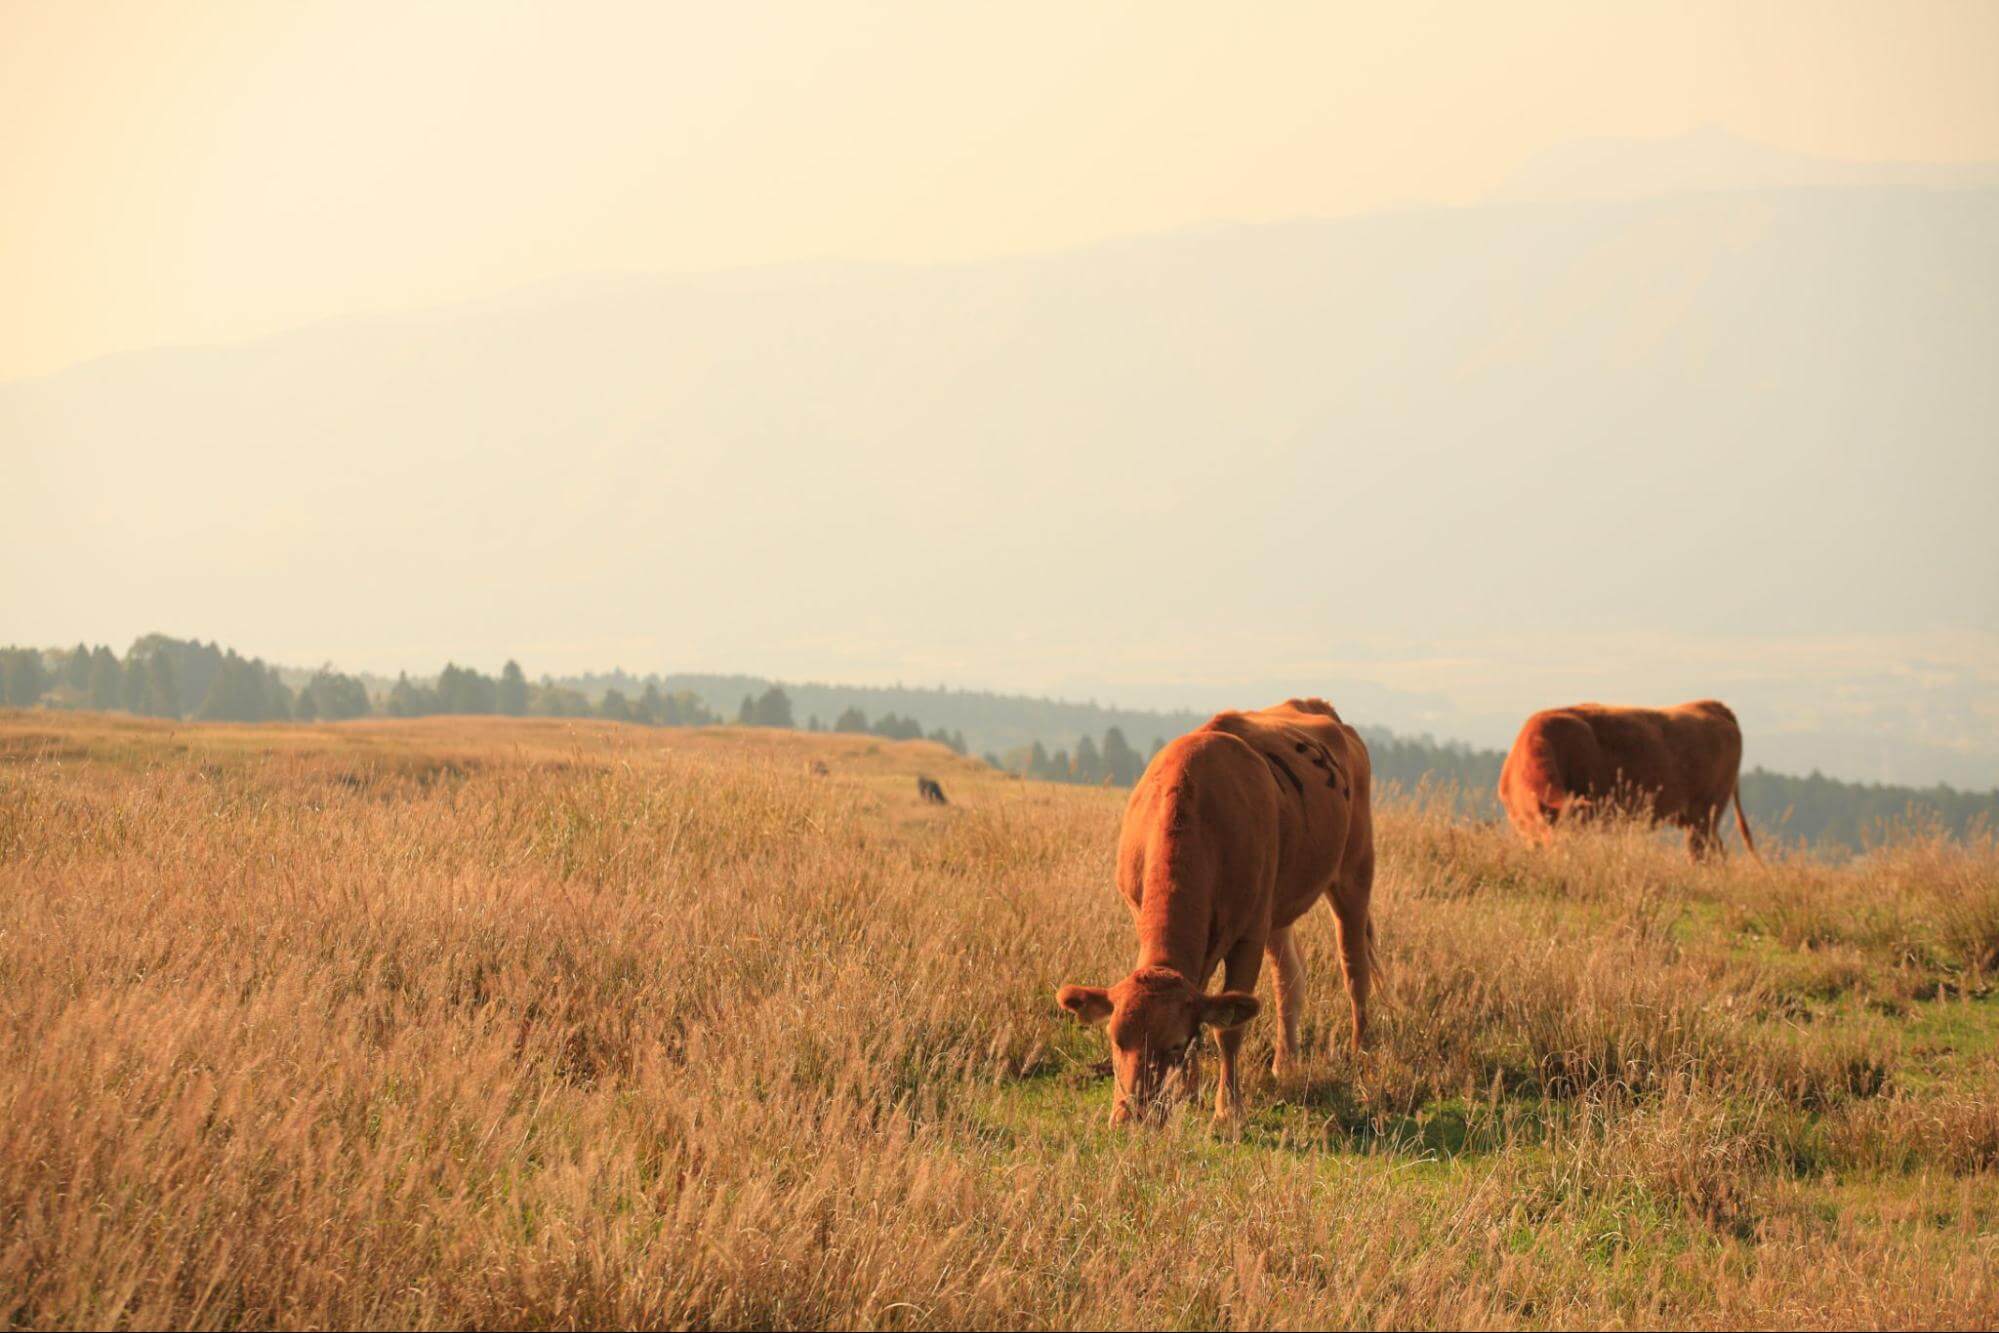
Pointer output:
513, 689
136, 678
244, 690
409, 699
193, 666
773, 708
277, 694
463, 690
551, 700
22, 679
76, 668
334, 697
1088, 766
1121, 763
686, 709
1037, 762
107, 681
162, 690
891, 727
226, 696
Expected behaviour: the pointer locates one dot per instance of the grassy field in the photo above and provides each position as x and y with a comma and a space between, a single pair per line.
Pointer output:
467, 1022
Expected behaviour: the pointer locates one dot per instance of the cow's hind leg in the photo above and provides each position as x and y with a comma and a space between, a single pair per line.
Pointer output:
1288, 976
1704, 834
1356, 959
1240, 969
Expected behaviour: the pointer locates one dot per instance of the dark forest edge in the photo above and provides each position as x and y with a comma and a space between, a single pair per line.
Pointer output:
164, 677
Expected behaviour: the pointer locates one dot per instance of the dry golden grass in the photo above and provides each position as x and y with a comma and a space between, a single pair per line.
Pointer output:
461, 1023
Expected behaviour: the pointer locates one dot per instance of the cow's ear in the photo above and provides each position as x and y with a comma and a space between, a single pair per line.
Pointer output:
1091, 1004
1232, 1008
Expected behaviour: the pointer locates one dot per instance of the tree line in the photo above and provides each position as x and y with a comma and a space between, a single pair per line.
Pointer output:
1458, 772
853, 721
160, 676
157, 677
510, 694
991, 723
1111, 762
185, 678
166, 677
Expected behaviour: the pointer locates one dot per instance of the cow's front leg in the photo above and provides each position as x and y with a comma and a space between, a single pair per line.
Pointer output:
1241, 967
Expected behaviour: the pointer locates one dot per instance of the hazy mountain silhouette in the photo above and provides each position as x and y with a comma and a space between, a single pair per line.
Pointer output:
1714, 160
1200, 456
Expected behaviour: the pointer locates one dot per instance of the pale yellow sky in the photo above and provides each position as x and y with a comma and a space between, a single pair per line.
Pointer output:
194, 172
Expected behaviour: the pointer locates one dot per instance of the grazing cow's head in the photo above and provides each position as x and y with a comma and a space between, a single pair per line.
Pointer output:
1155, 1015
1574, 810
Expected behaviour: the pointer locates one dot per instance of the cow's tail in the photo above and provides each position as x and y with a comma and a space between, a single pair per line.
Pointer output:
1376, 973
1742, 823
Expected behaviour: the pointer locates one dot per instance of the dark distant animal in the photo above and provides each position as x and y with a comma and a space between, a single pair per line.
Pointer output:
1230, 836
1677, 766
819, 769
928, 789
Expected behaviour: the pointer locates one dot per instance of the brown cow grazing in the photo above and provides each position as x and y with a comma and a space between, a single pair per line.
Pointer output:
1674, 765
1231, 835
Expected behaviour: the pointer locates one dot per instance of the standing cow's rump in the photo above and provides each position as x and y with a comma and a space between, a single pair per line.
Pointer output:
1231, 835
1677, 766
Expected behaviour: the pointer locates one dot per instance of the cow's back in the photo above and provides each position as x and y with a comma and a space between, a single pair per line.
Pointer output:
1320, 770
1244, 822
1706, 741
1636, 758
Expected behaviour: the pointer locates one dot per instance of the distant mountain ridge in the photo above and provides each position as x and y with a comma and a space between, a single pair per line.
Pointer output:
1712, 160
1242, 454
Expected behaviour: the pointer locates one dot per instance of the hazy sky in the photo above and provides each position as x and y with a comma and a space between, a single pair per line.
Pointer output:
199, 171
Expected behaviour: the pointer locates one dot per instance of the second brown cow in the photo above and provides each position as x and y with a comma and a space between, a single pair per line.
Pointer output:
1677, 766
